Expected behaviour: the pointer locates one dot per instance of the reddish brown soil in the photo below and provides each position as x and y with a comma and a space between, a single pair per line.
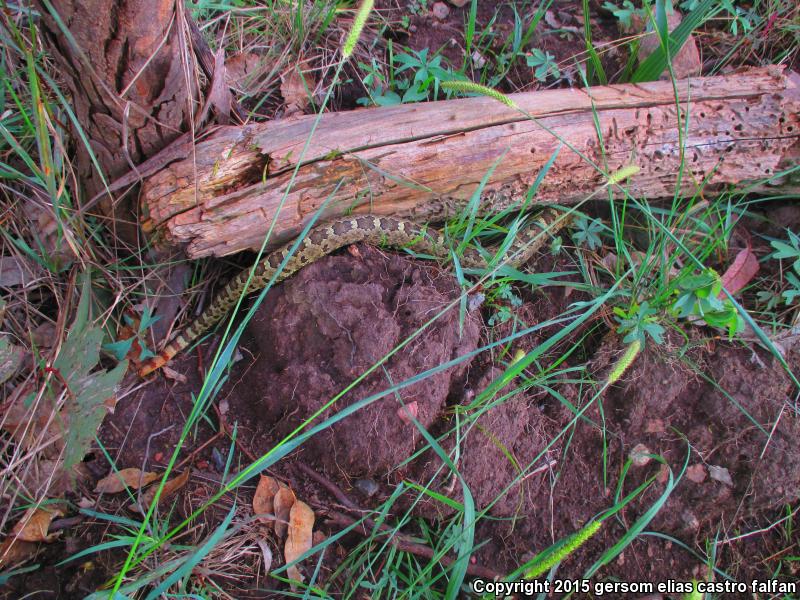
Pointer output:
671, 409
327, 326
323, 328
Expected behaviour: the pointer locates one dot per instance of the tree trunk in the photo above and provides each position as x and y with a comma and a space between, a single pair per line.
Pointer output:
132, 81
221, 195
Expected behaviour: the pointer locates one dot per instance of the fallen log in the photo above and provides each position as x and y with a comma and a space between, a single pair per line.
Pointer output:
220, 195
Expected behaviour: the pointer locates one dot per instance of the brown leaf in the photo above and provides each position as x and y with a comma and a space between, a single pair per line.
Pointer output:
33, 526
50, 477
33, 425
16, 270
284, 500
242, 70
171, 373
170, 487
14, 552
263, 501
293, 90
301, 525
741, 271
116, 482
11, 358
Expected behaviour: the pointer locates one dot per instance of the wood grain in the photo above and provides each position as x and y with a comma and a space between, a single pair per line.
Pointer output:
425, 160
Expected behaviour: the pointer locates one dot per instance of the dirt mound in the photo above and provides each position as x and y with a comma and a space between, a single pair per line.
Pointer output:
328, 325
539, 473
344, 314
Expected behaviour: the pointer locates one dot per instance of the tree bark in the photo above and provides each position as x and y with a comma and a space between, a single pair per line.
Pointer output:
131, 77
425, 160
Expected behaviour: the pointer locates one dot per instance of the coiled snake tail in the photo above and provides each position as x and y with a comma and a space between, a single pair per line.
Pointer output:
324, 239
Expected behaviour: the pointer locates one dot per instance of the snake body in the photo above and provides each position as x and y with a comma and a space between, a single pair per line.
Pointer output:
326, 238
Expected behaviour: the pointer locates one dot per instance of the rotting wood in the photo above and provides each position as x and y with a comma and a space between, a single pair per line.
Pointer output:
425, 160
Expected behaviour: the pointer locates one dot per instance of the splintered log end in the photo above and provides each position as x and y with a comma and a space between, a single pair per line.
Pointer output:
426, 160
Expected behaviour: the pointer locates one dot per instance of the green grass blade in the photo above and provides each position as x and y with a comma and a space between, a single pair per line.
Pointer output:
652, 67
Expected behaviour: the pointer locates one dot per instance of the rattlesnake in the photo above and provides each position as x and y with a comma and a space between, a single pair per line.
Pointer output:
324, 239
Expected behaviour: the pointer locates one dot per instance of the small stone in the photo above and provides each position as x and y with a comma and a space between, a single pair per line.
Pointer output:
663, 474
475, 301
720, 474
696, 473
408, 412
440, 10
690, 520
458, 3
368, 487
478, 60
640, 455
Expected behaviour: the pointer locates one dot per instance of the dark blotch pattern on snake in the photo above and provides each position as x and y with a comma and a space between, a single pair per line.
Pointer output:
324, 239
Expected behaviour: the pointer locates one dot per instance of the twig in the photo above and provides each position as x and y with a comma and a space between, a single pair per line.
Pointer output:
399, 540
223, 426
332, 488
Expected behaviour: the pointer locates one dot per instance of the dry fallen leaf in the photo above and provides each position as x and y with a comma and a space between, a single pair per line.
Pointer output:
220, 95
264, 499
242, 71
301, 525
685, 63
33, 425
741, 272
284, 500
11, 358
170, 487
171, 373
33, 526
293, 90
14, 552
116, 482
266, 552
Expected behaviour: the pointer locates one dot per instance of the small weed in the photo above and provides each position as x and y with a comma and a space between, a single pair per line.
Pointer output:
544, 64
418, 7
503, 300
637, 322
747, 18
422, 81
700, 297
586, 232
624, 13
121, 348
788, 250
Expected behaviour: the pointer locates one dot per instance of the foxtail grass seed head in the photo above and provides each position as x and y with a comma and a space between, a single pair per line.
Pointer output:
623, 174
577, 540
469, 87
625, 361
518, 356
358, 26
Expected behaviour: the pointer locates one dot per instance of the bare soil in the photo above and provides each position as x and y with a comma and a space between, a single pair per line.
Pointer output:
326, 326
